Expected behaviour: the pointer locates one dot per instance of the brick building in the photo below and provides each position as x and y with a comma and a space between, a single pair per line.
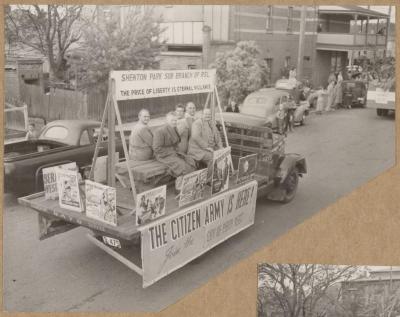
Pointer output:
335, 36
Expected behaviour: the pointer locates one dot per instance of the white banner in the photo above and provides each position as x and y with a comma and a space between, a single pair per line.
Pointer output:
141, 84
171, 242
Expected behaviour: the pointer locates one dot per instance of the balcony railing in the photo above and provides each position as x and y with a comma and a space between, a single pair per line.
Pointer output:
349, 39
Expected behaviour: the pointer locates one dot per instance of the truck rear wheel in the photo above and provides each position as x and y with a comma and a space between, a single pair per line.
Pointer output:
290, 186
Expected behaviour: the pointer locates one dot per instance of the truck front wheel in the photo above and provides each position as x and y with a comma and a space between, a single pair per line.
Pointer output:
290, 186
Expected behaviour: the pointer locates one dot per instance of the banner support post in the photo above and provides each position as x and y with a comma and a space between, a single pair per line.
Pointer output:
126, 153
100, 136
111, 140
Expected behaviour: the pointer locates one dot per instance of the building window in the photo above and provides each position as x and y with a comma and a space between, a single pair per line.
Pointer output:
290, 20
269, 61
268, 22
191, 66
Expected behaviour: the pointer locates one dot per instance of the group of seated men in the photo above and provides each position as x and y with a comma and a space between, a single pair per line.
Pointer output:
181, 143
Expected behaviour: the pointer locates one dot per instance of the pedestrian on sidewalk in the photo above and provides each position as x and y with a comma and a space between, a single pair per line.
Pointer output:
338, 92
331, 96
320, 100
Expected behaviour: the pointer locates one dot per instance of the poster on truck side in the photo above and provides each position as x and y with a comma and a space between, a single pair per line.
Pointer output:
193, 187
68, 190
246, 168
220, 172
101, 202
150, 205
50, 179
171, 242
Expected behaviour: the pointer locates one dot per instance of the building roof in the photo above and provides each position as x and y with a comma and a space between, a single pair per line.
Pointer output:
352, 9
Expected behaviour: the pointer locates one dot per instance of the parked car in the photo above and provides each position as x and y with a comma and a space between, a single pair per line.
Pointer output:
264, 104
59, 142
354, 93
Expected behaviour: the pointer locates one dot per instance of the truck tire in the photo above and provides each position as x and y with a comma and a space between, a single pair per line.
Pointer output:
290, 186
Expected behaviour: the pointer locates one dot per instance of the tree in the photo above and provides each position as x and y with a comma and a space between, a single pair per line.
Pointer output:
239, 71
108, 45
48, 29
295, 290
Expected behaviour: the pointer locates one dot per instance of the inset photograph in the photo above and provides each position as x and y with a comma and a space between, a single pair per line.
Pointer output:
294, 290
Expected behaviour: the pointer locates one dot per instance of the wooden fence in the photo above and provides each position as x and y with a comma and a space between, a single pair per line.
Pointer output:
69, 104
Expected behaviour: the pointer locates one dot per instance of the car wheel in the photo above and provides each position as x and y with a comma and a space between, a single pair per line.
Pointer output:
290, 186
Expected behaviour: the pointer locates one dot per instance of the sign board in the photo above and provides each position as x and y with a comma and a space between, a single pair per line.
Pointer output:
142, 84
172, 241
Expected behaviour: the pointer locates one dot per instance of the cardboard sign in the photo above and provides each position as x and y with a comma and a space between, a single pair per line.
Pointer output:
221, 166
141, 84
50, 179
68, 190
193, 187
246, 168
150, 205
101, 202
171, 242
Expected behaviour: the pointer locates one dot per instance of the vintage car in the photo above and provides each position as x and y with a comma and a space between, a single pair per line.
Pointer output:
265, 103
354, 93
59, 142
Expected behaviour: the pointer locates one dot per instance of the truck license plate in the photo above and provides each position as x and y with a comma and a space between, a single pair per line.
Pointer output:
112, 242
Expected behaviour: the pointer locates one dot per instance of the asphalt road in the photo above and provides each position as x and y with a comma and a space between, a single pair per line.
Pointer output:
344, 149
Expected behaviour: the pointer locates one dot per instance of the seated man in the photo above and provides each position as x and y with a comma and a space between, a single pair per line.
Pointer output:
204, 140
165, 144
141, 139
184, 126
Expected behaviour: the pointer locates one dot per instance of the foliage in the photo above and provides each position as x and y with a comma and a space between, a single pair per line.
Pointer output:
239, 72
296, 290
48, 29
109, 46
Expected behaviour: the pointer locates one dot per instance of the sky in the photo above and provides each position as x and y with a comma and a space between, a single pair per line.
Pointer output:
384, 9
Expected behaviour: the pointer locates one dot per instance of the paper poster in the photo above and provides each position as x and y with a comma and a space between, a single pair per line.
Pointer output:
193, 187
221, 165
100, 169
101, 202
246, 168
68, 190
150, 205
50, 179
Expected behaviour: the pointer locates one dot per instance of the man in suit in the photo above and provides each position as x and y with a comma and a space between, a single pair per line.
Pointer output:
141, 139
184, 126
204, 140
165, 143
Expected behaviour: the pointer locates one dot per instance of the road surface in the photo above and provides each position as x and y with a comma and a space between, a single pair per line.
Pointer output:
344, 149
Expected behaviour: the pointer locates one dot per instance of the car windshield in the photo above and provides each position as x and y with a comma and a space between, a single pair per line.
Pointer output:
258, 106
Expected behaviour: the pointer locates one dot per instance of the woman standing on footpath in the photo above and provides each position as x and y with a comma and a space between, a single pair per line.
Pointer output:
331, 96
338, 91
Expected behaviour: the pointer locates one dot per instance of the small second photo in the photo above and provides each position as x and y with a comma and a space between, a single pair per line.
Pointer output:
315, 290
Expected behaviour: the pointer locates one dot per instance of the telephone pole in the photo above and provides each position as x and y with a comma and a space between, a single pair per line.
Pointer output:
300, 56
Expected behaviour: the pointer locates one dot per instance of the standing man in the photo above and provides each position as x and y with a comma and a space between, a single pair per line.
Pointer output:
141, 139
204, 140
165, 143
184, 127
31, 134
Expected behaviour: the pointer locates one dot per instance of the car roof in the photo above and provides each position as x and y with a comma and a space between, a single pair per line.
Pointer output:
74, 124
